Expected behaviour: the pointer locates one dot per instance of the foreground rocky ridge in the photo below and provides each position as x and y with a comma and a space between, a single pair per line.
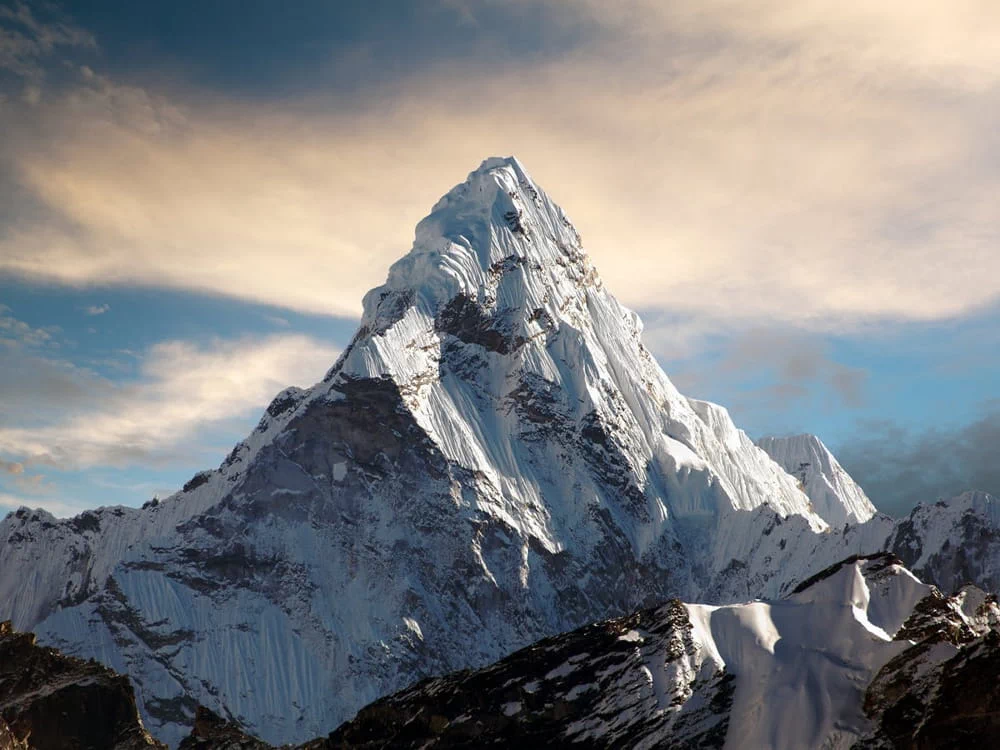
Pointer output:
862, 655
885, 661
49, 701
496, 458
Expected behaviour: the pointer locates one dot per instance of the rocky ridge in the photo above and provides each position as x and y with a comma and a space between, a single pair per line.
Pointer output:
49, 701
861, 655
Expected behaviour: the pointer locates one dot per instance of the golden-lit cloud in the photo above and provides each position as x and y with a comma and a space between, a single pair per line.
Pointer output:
821, 163
183, 389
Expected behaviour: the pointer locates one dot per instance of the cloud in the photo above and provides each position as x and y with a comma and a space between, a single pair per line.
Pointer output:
17, 333
823, 164
183, 390
765, 369
96, 309
38, 388
11, 467
795, 361
899, 468
26, 42
277, 320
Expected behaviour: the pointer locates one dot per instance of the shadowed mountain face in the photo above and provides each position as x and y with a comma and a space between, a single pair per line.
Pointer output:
53, 702
496, 458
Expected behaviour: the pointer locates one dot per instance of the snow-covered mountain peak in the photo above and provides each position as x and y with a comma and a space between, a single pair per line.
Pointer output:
835, 496
495, 457
496, 259
498, 332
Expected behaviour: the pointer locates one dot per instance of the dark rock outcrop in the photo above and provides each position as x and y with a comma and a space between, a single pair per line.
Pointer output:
49, 701
943, 691
583, 689
212, 732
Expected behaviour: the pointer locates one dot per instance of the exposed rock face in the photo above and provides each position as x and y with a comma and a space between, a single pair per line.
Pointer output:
952, 542
593, 688
53, 702
942, 692
212, 732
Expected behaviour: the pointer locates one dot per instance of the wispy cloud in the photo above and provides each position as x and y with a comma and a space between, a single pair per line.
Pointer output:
821, 164
796, 361
16, 333
27, 41
96, 309
182, 390
771, 370
11, 467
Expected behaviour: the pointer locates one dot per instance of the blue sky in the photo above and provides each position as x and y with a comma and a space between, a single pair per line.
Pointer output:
799, 201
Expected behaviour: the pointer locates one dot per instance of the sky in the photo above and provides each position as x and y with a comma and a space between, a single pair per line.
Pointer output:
799, 198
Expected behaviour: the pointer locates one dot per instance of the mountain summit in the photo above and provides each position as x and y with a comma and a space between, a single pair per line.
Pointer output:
834, 494
495, 458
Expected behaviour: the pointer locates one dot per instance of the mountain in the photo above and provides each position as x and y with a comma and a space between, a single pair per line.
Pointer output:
863, 655
212, 732
494, 459
834, 495
952, 542
49, 701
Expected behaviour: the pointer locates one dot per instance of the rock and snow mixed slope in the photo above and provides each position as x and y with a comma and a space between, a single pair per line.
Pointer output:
862, 655
952, 542
494, 459
848, 660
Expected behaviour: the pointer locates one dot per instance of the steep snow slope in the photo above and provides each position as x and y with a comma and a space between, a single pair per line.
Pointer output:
495, 458
802, 663
825, 667
834, 495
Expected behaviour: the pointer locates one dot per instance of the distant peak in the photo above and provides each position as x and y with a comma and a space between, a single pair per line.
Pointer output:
834, 494
803, 439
